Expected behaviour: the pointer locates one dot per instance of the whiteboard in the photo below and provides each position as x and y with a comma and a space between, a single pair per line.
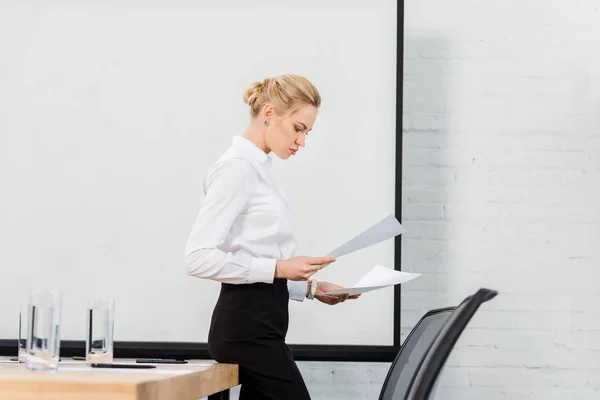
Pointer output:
110, 115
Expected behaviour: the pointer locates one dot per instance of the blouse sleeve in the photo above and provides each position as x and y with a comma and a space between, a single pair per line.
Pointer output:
226, 193
297, 290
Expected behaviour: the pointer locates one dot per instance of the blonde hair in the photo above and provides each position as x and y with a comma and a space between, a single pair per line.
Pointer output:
286, 93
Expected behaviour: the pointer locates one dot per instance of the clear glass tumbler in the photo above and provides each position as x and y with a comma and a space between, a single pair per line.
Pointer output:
43, 330
23, 324
100, 329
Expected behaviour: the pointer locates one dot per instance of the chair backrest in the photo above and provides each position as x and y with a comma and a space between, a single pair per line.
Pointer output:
434, 360
409, 357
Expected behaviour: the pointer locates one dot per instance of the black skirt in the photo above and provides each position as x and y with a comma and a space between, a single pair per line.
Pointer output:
248, 328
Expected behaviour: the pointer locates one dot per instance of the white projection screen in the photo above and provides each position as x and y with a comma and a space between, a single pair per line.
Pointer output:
111, 114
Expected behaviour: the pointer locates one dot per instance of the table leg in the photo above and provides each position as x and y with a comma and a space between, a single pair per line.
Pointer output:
224, 395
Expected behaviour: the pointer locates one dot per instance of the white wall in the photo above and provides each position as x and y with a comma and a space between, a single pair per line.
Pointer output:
501, 189
340, 381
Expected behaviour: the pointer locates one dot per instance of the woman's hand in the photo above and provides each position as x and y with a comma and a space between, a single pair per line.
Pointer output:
323, 287
301, 268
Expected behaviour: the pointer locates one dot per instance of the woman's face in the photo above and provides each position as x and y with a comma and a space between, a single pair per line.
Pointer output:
285, 135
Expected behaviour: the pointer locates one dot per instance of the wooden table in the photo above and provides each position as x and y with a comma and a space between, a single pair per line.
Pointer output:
76, 381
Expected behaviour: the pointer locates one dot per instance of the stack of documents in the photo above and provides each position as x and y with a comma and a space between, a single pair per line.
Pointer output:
378, 277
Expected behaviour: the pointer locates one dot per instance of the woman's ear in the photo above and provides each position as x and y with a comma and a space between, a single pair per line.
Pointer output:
268, 112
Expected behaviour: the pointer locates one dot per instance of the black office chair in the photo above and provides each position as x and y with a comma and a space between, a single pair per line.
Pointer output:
434, 360
413, 350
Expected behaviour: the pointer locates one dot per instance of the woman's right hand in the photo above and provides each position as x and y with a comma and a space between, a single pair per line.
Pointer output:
301, 268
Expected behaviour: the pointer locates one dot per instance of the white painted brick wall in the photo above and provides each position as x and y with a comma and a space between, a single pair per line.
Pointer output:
501, 189
340, 381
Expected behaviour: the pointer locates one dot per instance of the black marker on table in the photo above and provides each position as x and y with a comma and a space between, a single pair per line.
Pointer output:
102, 365
160, 361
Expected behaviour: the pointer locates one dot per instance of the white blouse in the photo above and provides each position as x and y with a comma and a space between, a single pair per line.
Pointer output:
244, 225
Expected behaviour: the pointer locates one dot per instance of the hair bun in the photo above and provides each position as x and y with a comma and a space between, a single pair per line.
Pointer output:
254, 90
284, 92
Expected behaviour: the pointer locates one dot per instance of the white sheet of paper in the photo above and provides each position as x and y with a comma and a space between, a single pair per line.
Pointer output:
352, 291
385, 229
378, 277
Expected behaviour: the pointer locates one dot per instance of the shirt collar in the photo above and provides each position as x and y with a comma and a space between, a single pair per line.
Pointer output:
251, 150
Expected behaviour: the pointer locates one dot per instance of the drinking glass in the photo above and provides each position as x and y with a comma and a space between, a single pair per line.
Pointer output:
100, 327
43, 330
23, 324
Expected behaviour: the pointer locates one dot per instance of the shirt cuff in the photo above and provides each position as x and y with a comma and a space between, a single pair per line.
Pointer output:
297, 290
263, 270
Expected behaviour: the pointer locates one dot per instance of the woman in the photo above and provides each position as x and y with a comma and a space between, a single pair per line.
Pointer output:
243, 238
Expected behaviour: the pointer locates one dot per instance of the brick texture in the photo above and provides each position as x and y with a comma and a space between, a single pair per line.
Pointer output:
502, 189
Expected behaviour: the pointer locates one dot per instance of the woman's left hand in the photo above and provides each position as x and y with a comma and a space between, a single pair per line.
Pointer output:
323, 287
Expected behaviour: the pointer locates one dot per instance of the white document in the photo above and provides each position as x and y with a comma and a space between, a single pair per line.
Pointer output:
378, 277
385, 229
